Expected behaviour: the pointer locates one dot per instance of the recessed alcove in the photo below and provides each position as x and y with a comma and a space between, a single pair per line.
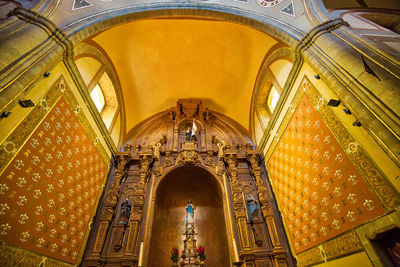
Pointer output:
173, 193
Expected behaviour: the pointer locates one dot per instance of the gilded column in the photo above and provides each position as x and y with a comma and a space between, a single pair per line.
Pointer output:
238, 201
267, 211
107, 213
176, 138
203, 138
138, 202
170, 130
221, 153
110, 202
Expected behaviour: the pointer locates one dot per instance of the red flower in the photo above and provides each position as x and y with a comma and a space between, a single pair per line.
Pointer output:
175, 254
200, 250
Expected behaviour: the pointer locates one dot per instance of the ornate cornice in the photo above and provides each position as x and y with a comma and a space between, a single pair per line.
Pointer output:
52, 30
317, 31
24, 80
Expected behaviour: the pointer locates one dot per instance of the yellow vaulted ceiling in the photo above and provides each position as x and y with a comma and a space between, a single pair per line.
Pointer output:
159, 61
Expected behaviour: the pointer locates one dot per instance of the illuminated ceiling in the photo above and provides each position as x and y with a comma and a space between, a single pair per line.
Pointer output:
159, 61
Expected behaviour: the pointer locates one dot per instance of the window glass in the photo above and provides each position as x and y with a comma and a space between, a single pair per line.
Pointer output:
98, 97
273, 99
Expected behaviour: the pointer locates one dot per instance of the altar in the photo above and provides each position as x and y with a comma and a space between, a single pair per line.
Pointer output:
192, 255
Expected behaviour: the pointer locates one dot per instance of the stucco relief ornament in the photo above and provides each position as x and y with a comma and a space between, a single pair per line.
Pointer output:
9, 147
189, 157
61, 86
77, 110
268, 3
43, 104
320, 103
352, 147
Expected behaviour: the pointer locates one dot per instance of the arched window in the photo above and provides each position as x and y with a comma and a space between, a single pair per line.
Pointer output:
109, 110
98, 97
273, 98
102, 91
268, 94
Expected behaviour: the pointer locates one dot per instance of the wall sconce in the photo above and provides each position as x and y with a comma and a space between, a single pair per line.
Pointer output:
26, 103
316, 76
357, 123
46, 74
333, 102
5, 114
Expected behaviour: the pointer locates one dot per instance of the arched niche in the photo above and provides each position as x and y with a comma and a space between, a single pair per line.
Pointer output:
171, 197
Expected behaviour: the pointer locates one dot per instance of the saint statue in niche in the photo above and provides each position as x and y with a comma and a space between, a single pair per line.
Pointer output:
252, 207
125, 212
189, 224
188, 135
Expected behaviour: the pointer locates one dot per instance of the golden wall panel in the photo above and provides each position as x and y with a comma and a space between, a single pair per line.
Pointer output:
322, 178
322, 193
20, 134
51, 179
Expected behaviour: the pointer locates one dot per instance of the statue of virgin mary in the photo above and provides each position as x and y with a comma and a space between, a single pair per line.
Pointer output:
189, 215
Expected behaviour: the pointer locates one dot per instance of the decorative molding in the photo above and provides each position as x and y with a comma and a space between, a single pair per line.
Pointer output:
52, 30
56, 46
318, 30
268, 3
310, 257
14, 256
189, 153
343, 245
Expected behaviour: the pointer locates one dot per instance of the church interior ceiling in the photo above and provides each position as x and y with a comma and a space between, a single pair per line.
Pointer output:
174, 70
163, 60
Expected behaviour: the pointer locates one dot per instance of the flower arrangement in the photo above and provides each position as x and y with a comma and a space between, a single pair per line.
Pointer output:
175, 254
200, 251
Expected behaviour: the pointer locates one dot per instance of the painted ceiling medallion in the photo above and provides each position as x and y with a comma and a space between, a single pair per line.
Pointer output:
269, 3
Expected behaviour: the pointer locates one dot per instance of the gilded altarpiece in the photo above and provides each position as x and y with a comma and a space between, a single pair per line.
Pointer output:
163, 149
53, 170
325, 184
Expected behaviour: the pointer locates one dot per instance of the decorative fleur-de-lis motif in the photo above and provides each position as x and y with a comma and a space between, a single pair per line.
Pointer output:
4, 208
24, 236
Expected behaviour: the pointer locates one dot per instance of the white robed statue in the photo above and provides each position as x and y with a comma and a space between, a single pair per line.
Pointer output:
189, 215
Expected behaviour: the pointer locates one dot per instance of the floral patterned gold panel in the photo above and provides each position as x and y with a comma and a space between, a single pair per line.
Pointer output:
321, 193
49, 190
